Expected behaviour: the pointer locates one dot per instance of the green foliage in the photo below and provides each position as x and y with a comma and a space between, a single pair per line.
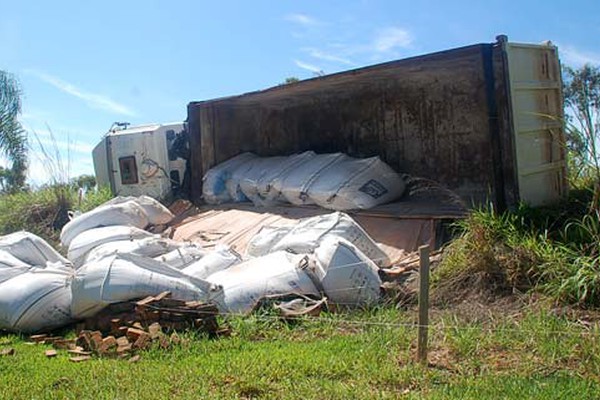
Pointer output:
44, 211
84, 181
553, 250
13, 139
335, 356
291, 79
582, 102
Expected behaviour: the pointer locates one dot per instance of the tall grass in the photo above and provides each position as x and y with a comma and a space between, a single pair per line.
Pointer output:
552, 250
42, 211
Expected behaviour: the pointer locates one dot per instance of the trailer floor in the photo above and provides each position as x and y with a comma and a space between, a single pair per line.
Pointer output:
398, 227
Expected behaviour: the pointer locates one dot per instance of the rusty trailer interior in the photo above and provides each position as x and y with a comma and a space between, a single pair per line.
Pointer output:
480, 121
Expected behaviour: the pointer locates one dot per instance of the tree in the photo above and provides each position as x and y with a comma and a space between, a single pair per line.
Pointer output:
13, 139
582, 98
84, 181
291, 79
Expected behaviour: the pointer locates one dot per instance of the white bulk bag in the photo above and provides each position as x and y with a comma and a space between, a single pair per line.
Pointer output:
218, 260
356, 184
157, 213
265, 240
87, 240
30, 249
270, 184
214, 190
127, 213
36, 300
348, 277
147, 247
124, 277
249, 179
242, 185
11, 266
308, 234
243, 285
182, 256
294, 185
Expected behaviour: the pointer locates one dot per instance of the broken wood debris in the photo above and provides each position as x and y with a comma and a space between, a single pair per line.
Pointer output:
7, 352
123, 328
50, 353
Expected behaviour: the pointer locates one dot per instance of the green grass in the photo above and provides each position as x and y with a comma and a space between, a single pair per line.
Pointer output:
536, 354
553, 250
43, 211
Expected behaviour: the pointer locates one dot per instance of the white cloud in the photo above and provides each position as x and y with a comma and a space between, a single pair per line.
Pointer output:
316, 53
93, 100
392, 38
576, 57
308, 67
302, 19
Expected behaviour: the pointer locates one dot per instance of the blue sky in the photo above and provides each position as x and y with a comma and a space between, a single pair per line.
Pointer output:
84, 65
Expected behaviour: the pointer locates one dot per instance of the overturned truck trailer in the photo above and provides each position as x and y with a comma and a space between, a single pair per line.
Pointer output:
484, 121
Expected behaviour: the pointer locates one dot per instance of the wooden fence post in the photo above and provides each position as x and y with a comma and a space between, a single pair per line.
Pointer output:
423, 304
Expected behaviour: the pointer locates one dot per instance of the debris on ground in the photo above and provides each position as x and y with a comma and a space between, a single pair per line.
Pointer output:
401, 281
50, 353
122, 329
115, 260
7, 352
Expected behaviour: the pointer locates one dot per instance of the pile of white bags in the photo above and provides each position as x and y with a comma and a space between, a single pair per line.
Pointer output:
182, 256
337, 270
294, 185
156, 213
39, 298
150, 247
243, 285
334, 181
309, 233
123, 277
115, 260
35, 291
130, 211
90, 239
217, 260
214, 190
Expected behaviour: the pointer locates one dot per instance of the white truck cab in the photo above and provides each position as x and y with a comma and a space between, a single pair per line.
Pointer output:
145, 159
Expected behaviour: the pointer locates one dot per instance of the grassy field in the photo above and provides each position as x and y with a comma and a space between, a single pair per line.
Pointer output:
475, 354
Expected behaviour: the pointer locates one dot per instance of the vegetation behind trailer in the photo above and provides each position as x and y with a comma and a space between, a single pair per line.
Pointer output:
483, 120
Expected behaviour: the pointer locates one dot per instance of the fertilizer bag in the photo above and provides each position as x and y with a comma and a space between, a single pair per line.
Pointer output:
124, 277
157, 213
127, 213
348, 277
214, 190
39, 299
356, 184
90, 239
243, 285
30, 249
309, 233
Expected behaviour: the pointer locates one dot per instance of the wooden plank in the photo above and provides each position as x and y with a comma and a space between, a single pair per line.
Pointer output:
423, 304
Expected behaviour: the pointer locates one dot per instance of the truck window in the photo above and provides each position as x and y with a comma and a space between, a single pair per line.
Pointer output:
128, 169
